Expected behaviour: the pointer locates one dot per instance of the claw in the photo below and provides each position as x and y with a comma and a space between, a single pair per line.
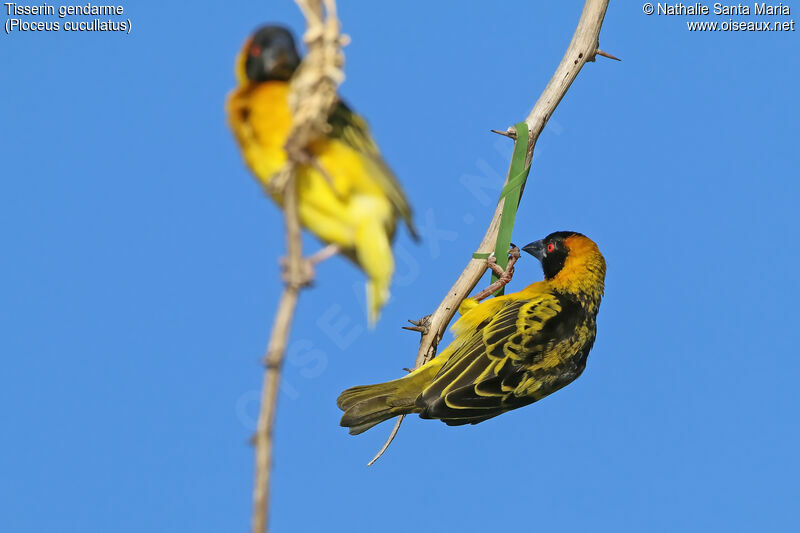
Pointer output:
504, 276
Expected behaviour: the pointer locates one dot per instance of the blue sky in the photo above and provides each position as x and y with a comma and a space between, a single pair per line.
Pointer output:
139, 277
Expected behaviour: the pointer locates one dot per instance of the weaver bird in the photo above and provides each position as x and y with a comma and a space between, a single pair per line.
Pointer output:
347, 195
508, 351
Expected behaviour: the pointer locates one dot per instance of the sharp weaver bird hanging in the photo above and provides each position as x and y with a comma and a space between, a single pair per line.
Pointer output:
508, 352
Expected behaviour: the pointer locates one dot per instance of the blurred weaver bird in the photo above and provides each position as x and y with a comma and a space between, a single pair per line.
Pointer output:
347, 195
508, 351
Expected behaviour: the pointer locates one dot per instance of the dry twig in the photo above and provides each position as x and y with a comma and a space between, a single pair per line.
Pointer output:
312, 96
582, 48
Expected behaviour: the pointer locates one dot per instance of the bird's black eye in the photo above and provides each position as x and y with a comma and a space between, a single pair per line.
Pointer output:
255, 51
550, 246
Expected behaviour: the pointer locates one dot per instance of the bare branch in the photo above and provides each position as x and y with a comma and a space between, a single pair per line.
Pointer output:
582, 48
273, 360
315, 83
386, 444
312, 97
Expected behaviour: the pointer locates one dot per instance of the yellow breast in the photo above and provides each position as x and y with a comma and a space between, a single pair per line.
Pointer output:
260, 118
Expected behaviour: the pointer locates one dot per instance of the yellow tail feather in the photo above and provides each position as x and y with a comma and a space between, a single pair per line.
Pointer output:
369, 405
374, 254
377, 296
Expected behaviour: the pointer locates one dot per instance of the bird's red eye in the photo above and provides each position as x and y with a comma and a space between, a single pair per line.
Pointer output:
550, 246
255, 50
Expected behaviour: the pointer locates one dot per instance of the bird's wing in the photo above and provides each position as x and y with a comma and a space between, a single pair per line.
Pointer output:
494, 365
352, 130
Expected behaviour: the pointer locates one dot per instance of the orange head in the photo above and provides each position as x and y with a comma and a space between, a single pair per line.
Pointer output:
571, 262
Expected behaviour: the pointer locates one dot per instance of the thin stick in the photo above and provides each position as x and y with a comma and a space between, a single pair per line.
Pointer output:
324, 254
582, 48
386, 444
273, 359
311, 99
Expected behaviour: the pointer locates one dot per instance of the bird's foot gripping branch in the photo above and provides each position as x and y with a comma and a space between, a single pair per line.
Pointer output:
503, 275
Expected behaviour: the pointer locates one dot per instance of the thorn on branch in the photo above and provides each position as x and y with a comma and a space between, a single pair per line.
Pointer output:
511, 134
422, 325
599, 52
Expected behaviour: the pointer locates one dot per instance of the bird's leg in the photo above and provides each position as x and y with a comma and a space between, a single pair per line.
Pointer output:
504, 276
277, 183
304, 157
322, 172
323, 254
307, 272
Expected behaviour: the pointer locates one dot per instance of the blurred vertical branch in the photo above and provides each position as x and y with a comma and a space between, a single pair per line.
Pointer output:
582, 49
311, 99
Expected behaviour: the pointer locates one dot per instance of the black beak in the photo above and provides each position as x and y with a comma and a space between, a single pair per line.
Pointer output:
536, 249
278, 63
272, 64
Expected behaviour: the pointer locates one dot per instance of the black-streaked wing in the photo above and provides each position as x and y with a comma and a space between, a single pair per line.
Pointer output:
479, 379
352, 130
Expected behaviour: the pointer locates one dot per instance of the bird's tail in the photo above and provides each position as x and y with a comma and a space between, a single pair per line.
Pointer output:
374, 254
369, 405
